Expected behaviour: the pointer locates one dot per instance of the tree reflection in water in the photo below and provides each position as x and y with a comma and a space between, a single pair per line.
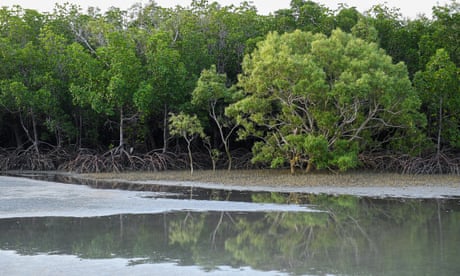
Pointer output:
354, 236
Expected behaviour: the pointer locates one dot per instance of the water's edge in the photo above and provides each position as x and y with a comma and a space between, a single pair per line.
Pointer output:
176, 186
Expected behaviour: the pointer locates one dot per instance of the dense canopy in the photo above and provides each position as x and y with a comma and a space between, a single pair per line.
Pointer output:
305, 87
323, 99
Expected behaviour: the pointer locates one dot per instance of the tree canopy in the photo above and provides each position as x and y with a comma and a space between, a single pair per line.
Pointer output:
322, 99
309, 86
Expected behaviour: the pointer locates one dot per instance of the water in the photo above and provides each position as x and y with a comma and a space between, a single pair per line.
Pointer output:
350, 236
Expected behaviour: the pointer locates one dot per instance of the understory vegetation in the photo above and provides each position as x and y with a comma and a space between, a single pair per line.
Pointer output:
211, 86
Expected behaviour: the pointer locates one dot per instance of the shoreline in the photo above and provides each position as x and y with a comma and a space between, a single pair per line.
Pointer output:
358, 183
355, 183
282, 178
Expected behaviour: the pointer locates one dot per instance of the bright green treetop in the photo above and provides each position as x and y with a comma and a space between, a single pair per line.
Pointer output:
187, 127
322, 99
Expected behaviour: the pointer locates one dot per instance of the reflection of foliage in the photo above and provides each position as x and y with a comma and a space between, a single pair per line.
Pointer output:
202, 237
347, 236
280, 198
186, 232
354, 236
97, 248
277, 240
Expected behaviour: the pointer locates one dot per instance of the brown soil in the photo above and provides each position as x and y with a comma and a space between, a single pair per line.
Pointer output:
282, 178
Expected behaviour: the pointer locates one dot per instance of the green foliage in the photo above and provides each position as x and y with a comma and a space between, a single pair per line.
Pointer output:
336, 93
165, 82
444, 32
439, 90
316, 147
210, 88
211, 94
300, 89
187, 127
347, 18
345, 155
365, 30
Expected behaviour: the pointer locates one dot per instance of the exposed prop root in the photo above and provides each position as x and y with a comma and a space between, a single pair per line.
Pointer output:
118, 160
441, 163
242, 160
30, 159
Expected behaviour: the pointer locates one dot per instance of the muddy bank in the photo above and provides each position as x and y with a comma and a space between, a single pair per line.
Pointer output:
351, 183
354, 183
282, 178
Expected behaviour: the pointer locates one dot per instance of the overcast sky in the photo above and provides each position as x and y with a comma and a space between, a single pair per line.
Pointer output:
408, 8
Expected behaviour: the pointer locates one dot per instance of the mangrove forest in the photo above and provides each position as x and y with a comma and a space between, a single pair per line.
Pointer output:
223, 87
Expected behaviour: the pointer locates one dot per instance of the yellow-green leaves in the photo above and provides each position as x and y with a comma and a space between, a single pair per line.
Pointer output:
187, 127
334, 93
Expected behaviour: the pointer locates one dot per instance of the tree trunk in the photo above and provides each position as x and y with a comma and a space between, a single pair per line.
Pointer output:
229, 155
17, 136
438, 145
224, 139
309, 167
58, 134
122, 142
190, 156
292, 163
165, 128
21, 120
80, 130
34, 127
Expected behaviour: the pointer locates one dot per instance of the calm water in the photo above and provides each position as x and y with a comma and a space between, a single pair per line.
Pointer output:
352, 236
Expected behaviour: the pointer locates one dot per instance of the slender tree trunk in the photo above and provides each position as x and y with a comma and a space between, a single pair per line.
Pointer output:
292, 163
229, 155
17, 136
59, 138
165, 128
21, 120
224, 139
438, 146
190, 156
213, 165
122, 142
309, 166
80, 130
34, 127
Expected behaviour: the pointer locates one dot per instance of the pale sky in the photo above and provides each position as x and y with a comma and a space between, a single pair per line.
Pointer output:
408, 8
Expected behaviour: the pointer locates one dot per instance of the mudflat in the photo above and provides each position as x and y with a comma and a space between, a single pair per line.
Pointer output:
352, 183
283, 178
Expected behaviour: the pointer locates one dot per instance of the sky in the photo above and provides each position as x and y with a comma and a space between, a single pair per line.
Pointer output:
409, 9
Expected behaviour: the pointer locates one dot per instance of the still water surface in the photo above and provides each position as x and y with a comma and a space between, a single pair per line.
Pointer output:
351, 236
